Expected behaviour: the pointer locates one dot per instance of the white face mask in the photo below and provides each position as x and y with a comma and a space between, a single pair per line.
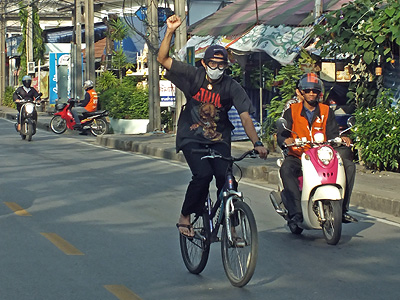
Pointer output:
214, 74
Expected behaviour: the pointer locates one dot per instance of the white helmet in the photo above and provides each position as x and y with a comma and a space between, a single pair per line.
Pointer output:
88, 84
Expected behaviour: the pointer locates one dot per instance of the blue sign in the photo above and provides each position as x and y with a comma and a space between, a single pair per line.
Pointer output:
12, 44
55, 60
163, 14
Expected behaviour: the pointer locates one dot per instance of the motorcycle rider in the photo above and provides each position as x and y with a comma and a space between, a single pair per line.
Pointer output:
89, 104
27, 93
306, 117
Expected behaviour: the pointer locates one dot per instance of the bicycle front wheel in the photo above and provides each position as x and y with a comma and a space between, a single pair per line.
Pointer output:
239, 256
195, 251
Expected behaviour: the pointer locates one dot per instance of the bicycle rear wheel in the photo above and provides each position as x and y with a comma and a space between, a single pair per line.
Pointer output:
195, 251
239, 257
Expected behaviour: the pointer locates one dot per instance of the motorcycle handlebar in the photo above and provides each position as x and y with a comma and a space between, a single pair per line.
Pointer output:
37, 99
332, 142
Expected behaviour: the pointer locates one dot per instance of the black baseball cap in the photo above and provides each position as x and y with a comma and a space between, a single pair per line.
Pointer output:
216, 49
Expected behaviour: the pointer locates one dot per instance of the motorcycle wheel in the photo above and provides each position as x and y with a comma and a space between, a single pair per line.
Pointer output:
58, 125
29, 131
99, 127
332, 228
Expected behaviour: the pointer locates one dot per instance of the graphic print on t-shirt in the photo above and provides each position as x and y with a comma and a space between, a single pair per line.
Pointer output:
206, 96
205, 117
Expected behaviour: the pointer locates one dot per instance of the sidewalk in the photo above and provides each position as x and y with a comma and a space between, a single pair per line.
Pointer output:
376, 191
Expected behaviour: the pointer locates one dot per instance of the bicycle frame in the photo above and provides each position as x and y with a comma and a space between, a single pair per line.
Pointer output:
239, 239
225, 204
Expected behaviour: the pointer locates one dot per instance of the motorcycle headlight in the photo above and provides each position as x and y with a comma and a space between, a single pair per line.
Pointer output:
29, 108
325, 154
319, 137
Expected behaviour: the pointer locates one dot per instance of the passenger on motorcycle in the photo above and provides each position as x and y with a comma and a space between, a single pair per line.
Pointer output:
89, 104
26, 92
306, 116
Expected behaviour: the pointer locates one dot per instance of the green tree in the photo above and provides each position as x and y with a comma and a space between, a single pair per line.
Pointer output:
118, 32
367, 30
38, 45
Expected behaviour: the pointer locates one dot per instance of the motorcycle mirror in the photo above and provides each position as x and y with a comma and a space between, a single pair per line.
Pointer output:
281, 122
351, 121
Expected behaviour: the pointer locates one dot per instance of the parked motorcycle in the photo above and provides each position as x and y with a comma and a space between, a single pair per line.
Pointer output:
97, 121
27, 117
322, 186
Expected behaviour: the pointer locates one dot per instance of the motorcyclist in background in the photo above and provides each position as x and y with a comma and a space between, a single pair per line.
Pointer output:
26, 92
305, 115
89, 104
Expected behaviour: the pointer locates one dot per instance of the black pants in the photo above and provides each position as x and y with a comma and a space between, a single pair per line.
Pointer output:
350, 169
291, 170
202, 174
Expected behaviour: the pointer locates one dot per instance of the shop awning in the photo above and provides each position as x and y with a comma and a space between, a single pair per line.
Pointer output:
240, 16
281, 43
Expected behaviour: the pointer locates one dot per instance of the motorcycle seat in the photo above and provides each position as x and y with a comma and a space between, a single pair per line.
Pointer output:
93, 113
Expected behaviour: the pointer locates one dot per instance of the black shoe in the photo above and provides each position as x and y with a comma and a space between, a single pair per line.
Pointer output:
296, 219
78, 126
346, 218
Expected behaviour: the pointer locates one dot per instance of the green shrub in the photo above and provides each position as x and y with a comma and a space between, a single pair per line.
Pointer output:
288, 76
123, 101
106, 81
126, 102
8, 97
377, 133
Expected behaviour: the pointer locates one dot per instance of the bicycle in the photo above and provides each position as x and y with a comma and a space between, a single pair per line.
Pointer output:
239, 237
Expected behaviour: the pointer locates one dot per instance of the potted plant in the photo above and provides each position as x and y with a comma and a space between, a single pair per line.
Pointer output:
127, 103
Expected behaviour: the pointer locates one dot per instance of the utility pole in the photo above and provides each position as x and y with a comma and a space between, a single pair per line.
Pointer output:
318, 7
89, 40
78, 49
180, 41
2, 50
29, 35
153, 67
72, 57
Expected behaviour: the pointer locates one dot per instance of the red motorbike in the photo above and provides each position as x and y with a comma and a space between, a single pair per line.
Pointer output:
96, 121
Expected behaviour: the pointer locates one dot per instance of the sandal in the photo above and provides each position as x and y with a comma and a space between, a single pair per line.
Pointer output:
190, 227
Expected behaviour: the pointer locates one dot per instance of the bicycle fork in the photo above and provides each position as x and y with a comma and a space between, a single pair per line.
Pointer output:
229, 211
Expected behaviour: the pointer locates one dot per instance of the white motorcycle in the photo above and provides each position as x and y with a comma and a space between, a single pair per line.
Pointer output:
27, 117
322, 186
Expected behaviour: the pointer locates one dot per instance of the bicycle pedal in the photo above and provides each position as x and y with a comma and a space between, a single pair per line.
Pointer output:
239, 243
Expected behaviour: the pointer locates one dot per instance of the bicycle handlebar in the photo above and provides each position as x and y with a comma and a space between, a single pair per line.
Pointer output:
215, 154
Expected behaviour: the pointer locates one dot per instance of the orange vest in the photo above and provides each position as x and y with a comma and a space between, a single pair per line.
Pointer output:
301, 127
92, 105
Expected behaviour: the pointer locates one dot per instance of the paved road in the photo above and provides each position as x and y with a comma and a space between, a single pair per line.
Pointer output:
103, 228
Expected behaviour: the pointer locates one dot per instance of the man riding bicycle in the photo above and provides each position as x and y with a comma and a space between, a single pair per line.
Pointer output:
203, 121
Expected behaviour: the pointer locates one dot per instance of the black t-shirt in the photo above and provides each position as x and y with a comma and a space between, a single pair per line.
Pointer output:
31, 94
204, 117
